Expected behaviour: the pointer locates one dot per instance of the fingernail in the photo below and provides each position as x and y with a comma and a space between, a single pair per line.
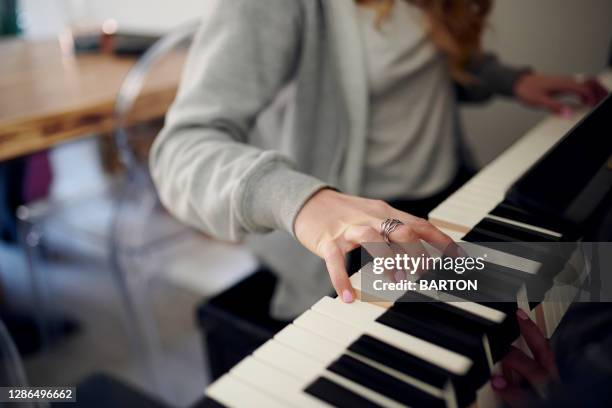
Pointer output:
400, 276
522, 315
499, 383
347, 296
566, 112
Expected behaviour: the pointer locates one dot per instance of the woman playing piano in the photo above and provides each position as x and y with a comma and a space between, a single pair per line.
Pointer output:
301, 125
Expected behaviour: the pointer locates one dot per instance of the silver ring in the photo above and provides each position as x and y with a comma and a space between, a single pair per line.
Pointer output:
387, 227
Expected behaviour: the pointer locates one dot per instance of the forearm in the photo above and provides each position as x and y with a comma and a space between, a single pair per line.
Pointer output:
225, 188
491, 78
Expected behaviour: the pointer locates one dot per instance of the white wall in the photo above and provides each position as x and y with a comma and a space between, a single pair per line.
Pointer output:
565, 36
568, 36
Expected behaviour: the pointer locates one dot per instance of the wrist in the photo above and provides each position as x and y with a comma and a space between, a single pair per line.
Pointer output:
519, 80
309, 207
274, 195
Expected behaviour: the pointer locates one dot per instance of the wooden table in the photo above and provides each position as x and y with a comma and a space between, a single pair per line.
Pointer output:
48, 96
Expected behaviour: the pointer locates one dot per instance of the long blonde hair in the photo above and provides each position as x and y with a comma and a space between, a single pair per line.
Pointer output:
455, 26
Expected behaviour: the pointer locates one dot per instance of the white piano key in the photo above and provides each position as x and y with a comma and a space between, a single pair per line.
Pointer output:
478, 194
559, 306
465, 219
554, 306
232, 392
274, 382
293, 361
477, 309
316, 347
329, 328
546, 311
606, 79
465, 207
459, 208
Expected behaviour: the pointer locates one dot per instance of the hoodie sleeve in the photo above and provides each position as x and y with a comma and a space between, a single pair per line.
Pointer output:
491, 78
205, 171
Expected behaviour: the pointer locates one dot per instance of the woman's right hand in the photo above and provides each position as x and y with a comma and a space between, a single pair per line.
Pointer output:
331, 224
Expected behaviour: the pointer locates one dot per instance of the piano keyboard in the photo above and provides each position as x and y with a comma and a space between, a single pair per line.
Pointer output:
390, 353
408, 352
386, 354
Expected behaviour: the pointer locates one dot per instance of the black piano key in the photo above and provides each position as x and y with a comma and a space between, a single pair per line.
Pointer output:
483, 296
492, 282
401, 361
208, 402
526, 243
516, 232
478, 236
493, 240
512, 212
383, 383
444, 335
551, 256
412, 366
490, 289
510, 273
336, 395
536, 284
509, 308
500, 285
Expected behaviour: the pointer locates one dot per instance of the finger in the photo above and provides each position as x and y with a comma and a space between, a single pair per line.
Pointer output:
407, 242
597, 88
550, 103
426, 231
535, 374
335, 263
536, 342
580, 89
514, 396
372, 241
510, 376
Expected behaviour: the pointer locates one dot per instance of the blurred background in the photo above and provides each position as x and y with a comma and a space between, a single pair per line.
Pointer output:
99, 287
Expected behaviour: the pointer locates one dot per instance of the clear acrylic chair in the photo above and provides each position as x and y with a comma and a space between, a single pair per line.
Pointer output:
138, 235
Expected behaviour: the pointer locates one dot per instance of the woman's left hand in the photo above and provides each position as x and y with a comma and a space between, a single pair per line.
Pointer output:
525, 378
542, 90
